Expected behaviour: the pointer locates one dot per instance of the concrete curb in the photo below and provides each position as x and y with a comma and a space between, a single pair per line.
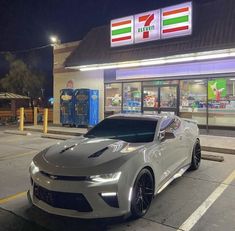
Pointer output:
212, 157
15, 132
56, 137
218, 150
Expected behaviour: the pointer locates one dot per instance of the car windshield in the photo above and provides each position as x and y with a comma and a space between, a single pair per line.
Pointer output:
132, 130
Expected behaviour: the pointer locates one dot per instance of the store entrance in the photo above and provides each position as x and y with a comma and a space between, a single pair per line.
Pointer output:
163, 98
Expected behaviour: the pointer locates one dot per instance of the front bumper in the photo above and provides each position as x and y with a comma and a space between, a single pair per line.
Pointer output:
91, 191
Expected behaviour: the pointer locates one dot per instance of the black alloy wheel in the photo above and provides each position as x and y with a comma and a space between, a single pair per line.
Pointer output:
142, 195
196, 156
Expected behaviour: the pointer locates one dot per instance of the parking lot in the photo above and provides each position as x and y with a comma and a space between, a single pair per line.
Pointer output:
198, 201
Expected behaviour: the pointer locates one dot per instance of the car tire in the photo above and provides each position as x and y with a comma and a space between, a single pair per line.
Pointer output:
142, 194
196, 157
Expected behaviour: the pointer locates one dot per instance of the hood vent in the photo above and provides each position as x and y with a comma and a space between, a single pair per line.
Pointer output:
66, 149
98, 153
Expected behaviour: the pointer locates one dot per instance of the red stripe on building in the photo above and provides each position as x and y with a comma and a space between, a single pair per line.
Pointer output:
182, 10
175, 29
143, 18
121, 23
121, 39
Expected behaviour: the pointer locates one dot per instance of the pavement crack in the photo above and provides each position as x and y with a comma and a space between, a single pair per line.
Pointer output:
170, 226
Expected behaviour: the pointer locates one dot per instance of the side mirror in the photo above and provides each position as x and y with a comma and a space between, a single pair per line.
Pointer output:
166, 135
169, 135
162, 135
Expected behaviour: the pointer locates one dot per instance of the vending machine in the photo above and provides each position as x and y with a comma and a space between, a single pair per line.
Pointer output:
66, 107
86, 104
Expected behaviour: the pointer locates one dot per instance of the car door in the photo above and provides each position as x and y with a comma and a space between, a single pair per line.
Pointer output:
172, 147
182, 142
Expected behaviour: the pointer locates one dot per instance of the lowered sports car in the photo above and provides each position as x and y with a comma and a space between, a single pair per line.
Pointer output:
116, 168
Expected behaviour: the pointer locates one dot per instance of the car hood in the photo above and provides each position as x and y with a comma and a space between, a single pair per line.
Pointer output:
86, 154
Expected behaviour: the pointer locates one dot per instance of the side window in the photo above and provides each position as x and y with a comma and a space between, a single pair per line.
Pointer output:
166, 123
176, 124
170, 125
171, 128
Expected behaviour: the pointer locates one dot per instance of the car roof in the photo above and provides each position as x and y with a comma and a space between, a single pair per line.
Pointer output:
140, 116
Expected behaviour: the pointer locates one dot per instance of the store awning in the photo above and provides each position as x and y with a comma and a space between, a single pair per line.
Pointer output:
11, 96
213, 29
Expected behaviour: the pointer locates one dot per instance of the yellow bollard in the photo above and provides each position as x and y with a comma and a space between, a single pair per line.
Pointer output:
35, 116
45, 120
21, 128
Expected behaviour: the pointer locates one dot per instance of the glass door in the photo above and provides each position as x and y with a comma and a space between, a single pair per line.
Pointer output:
150, 99
169, 99
157, 99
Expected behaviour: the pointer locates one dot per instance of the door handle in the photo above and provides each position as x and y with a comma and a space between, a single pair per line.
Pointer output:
181, 137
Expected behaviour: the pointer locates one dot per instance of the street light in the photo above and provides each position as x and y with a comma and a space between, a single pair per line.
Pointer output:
54, 40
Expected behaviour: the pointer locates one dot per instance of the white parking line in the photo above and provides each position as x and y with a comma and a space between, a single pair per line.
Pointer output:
201, 210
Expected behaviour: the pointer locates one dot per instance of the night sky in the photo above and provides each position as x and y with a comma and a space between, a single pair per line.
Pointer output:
29, 23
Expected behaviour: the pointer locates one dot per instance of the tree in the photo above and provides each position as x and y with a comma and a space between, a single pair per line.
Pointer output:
21, 79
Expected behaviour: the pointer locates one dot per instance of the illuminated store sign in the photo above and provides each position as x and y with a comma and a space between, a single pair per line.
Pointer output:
122, 32
176, 21
147, 26
165, 23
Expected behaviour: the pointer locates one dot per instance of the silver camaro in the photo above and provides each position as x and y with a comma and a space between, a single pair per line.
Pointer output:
116, 168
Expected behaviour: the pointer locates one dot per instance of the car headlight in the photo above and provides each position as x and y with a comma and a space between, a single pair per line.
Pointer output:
105, 178
33, 168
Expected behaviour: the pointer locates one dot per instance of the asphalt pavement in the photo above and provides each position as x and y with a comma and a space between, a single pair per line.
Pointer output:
203, 200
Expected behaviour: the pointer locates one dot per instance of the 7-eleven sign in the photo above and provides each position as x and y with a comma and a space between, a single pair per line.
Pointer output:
147, 26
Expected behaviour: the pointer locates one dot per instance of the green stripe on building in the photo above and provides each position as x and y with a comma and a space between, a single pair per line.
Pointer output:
172, 21
121, 31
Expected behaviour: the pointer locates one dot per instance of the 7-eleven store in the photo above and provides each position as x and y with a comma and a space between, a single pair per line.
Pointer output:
179, 59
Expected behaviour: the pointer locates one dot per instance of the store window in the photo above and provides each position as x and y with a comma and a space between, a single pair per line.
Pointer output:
221, 102
193, 100
113, 98
132, 97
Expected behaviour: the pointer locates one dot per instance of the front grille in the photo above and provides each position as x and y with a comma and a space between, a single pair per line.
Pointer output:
74, 201
65, 178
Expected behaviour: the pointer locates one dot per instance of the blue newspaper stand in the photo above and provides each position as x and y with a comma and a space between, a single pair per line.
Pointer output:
86, 103
66, 107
